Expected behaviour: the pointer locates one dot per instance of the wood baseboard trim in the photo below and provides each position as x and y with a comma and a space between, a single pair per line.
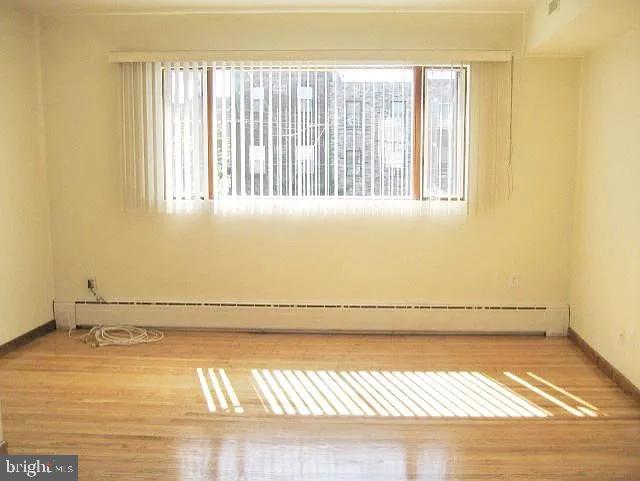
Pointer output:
4, 448
27, 337
605, 366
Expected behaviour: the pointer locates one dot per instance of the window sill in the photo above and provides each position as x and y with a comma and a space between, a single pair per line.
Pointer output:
337, 207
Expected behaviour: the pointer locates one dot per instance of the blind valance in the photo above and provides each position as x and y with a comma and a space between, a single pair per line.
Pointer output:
407, 57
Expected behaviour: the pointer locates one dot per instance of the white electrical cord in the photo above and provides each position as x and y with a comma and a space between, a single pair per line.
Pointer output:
100, 336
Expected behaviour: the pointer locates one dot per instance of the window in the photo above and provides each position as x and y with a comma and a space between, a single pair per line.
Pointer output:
444, 130
293, 131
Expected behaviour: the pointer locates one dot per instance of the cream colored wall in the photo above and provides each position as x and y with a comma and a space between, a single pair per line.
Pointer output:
578, 26
606, 265
26, 280
542, 28
325, 258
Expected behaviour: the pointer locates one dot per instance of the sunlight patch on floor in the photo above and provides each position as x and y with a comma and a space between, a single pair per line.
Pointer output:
216, 381
582, 409
389, 393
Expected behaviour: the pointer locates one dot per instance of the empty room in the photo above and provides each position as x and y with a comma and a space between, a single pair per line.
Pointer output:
319, 240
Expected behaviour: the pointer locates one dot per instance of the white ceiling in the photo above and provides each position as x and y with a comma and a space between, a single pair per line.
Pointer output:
115, 6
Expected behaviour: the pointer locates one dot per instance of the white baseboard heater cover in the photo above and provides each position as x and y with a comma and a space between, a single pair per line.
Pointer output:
384, 318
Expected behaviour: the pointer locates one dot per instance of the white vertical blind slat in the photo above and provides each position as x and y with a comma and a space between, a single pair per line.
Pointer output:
225, 129
189, 133
178, 134
261, 168
251, 133
353, 142
384, 144
158, 123
149, 171
372, 131
243, 120
280, 122
168, 125
335, 134
316, 154
270, 159
298, 140
344, 136
363, 127
325, 137
140, 153
234, 128
290, 136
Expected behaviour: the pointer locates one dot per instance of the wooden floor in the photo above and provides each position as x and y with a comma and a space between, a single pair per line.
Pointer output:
489, 408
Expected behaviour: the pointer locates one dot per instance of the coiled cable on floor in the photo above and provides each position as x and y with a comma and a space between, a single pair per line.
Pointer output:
99, 336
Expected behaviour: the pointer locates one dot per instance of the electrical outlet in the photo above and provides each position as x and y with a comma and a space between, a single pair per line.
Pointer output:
92, 283
514, 281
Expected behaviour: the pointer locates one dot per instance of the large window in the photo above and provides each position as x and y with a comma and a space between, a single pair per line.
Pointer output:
292, 131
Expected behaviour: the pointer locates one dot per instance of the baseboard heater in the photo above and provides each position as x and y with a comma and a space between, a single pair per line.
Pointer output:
316, 317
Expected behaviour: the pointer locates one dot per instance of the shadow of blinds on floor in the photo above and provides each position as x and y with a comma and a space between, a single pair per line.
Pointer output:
389, 394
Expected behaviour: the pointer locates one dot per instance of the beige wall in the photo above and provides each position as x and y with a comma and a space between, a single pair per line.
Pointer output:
542, 28
26, 280
327, 258
577, 27
605, 299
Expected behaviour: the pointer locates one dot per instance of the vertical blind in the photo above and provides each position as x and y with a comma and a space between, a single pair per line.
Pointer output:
491, 179
193, 131
142, 138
